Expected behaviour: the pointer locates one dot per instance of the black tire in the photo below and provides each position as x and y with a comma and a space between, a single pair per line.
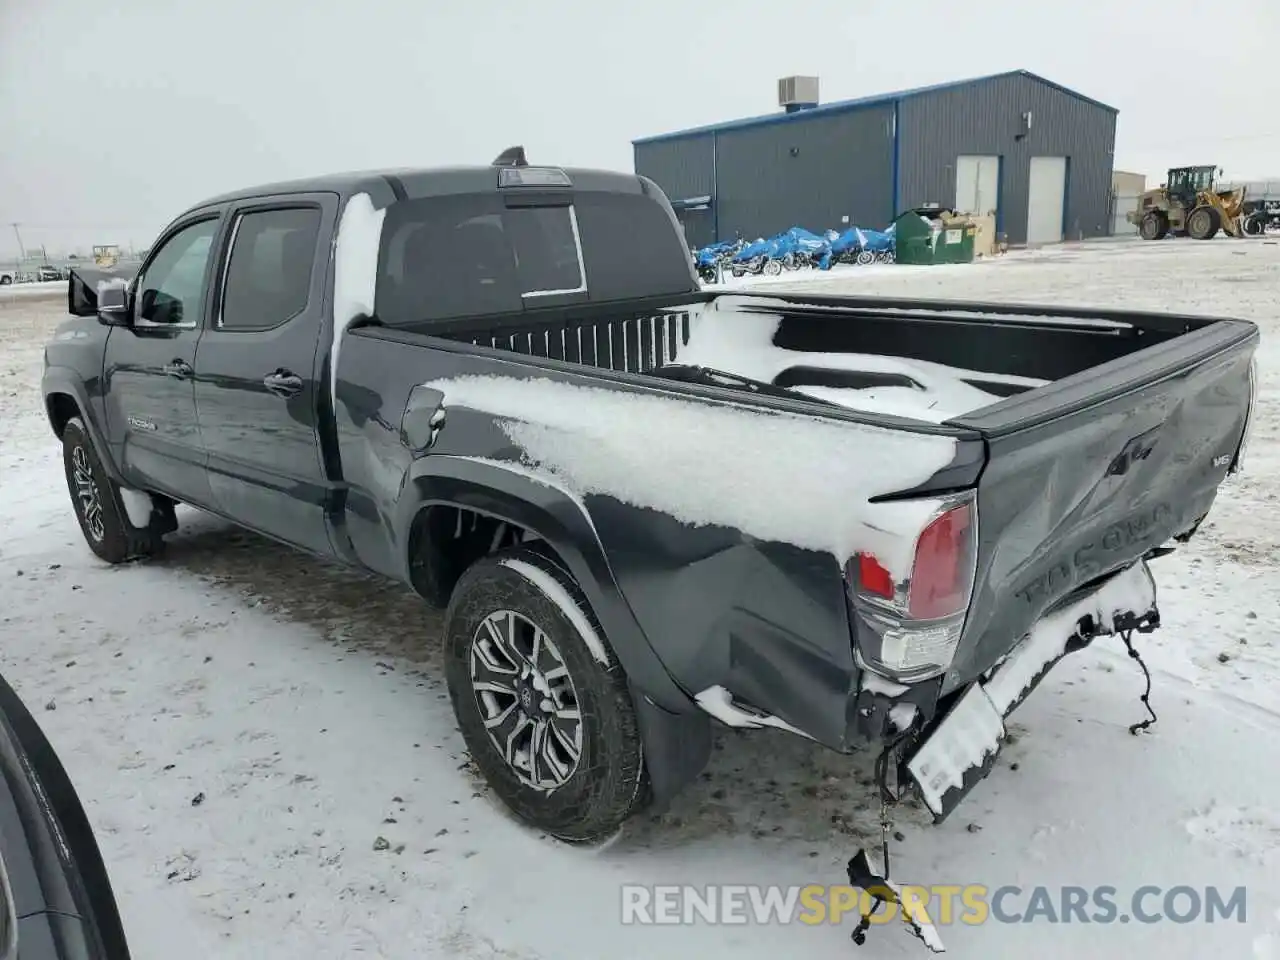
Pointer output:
1155, 226
607, 783
1203, 223
1254, 225
106, 528
6, 280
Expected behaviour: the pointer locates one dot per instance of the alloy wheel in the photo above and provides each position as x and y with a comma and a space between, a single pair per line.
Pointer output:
87, 494
527, 700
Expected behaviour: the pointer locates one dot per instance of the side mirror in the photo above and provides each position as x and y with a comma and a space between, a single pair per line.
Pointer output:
115, 308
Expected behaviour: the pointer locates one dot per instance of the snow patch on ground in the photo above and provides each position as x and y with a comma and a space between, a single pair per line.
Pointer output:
774, 476
45, 290
1252, 833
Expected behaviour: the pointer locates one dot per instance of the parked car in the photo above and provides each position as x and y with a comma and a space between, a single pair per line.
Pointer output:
505, 387
48, 274
56, 901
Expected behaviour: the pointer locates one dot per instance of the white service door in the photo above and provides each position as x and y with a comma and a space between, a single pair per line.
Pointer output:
1122, 203
1045, 196
977, 184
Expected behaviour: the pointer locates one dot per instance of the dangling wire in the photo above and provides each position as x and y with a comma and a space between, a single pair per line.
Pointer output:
1136, 728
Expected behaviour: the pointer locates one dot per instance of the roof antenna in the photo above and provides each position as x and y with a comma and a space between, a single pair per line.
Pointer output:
511, 157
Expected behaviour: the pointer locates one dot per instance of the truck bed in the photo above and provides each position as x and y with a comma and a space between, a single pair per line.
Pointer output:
1092, 437
1014, 363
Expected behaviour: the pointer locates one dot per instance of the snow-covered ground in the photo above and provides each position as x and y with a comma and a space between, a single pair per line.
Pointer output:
266, 750
47, 290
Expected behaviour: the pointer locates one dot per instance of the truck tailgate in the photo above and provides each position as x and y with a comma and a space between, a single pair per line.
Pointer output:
1089, 473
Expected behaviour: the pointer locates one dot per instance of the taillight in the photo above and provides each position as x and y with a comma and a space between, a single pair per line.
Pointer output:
910, 621
942, 573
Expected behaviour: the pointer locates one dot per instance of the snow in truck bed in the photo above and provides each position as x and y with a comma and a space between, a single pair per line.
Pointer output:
742, 343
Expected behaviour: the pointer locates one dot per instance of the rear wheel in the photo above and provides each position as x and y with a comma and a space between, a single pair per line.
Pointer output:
540, 699
1203, 223
772, 268
1154, 226
1254, 225
98, 503
864, 257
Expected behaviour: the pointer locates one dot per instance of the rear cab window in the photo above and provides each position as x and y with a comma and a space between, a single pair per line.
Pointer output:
472, 255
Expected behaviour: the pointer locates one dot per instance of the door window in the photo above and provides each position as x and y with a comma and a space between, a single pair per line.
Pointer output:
269, 273
171, 290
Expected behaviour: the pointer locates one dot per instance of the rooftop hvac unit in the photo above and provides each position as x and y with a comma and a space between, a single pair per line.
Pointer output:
797, 93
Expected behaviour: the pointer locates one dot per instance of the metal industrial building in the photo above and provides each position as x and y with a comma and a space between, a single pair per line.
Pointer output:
1035, 154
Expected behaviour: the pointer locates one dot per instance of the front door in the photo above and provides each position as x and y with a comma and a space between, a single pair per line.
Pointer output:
149, 367
258, 371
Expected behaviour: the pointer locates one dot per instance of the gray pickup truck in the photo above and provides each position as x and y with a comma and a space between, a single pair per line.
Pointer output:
646, 506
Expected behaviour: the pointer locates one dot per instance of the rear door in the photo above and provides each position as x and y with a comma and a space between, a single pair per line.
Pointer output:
149, 366
258, 369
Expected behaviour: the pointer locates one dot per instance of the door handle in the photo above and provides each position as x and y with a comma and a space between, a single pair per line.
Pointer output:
179, 368
283, 383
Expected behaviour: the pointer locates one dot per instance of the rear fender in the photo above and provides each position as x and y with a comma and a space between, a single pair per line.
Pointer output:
506, 491
675, 733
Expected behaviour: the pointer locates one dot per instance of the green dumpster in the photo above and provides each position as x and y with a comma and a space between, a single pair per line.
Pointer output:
917, 243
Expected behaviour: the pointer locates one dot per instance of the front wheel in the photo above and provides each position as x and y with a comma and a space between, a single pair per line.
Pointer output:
540, 698
1203, 223
1154, 226
98, 503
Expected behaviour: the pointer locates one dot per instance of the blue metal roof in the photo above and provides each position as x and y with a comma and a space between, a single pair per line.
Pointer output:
845, 106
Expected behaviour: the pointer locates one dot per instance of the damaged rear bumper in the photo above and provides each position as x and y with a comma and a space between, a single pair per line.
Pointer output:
957, 750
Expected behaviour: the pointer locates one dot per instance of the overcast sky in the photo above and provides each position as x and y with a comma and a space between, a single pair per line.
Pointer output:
116, 115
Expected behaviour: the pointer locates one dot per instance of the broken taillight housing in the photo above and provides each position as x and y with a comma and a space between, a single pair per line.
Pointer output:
910, 625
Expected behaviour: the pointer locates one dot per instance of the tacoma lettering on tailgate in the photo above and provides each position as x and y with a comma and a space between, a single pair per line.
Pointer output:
1142, 530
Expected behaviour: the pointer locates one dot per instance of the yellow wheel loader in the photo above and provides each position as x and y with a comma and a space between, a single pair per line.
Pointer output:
1188, 205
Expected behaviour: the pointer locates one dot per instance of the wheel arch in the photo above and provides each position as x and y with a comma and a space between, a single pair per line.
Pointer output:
508, 493
66, 397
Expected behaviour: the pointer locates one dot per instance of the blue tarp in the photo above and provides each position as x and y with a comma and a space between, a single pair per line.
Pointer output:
801, 242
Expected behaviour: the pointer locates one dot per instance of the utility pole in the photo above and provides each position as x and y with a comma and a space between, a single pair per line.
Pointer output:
22, 251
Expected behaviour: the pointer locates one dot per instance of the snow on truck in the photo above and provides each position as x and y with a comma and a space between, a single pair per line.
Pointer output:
647, 507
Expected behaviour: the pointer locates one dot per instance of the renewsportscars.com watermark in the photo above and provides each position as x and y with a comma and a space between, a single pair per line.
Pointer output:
938, 904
